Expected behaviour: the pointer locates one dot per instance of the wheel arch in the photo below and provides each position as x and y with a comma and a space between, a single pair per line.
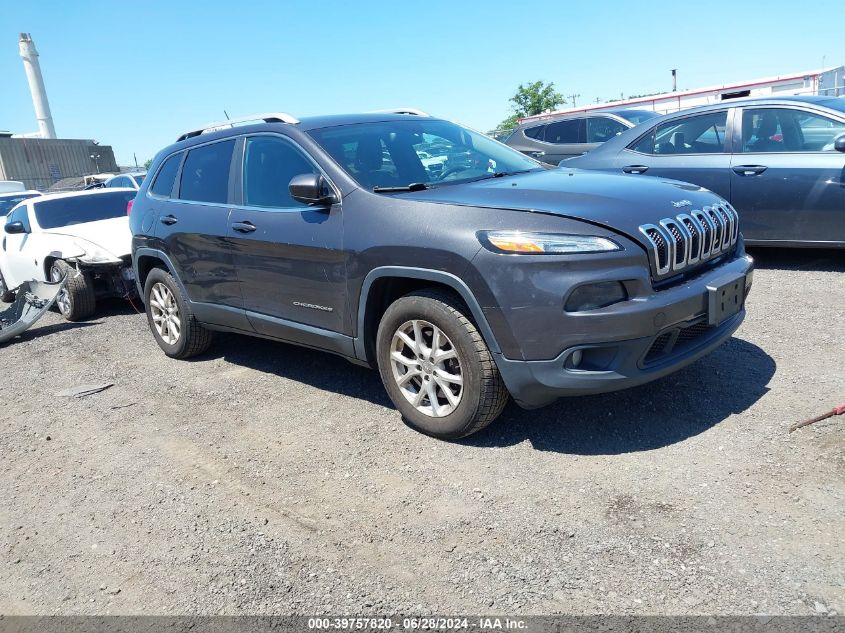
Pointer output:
384, 285
145, 260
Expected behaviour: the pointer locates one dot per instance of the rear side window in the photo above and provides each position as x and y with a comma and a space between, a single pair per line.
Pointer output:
269, 166
700, 134
205, 175
535, 132
562, 132
163, 184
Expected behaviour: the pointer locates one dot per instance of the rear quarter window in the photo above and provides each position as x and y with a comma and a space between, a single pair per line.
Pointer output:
166, 177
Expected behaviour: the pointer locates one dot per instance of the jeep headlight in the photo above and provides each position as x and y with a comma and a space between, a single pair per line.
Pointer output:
546, 243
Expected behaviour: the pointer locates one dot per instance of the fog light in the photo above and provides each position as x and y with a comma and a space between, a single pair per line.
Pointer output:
595, 296
576, 357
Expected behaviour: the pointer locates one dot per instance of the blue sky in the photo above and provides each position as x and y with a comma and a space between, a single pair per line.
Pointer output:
136, 75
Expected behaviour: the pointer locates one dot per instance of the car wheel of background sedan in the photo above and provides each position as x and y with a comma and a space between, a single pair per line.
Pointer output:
436, 367
6, 295
173, 324
76, 301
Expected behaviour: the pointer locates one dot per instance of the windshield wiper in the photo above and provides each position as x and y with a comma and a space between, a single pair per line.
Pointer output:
414, 186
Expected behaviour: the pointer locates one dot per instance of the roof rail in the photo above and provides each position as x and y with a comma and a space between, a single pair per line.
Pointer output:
414, 111
270, 117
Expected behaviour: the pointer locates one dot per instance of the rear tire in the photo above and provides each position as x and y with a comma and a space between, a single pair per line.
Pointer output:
76, 301
436, 367
169, 315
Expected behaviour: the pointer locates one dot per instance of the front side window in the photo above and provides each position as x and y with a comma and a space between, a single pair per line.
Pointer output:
166, 178
20, 215
52, 214
205, 174
602, 128
562, 132
269, 165
700, 134
787, 130
138, 178
426, 151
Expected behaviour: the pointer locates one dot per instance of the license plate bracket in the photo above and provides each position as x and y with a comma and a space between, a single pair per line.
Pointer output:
726, 296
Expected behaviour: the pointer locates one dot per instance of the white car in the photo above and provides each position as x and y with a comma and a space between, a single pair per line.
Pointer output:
83, 236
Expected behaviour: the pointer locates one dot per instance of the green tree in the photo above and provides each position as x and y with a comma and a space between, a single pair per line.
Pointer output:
532, 98
147, 163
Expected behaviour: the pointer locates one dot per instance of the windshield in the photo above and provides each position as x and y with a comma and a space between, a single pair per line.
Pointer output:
52, 214
7, 203
419, 152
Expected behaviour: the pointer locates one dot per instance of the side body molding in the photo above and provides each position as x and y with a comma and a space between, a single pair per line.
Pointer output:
409, 272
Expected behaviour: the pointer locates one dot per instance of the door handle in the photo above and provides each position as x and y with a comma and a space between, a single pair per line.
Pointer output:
243, 227
635, 169
749, 170
169, 220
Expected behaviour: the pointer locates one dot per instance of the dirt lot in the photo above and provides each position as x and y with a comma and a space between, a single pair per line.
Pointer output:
263, 478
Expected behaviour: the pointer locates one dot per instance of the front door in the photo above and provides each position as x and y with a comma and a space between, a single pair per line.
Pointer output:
788, 183
19, 254
288, 255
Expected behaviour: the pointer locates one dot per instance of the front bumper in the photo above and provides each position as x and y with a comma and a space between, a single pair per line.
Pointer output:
680, 335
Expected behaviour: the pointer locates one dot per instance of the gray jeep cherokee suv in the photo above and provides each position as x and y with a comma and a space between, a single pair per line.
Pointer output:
461, 268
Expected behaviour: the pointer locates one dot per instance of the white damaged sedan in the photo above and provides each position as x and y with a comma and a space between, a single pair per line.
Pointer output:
83, 235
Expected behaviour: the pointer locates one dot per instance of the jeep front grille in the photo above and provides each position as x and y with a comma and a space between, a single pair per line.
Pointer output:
688, 239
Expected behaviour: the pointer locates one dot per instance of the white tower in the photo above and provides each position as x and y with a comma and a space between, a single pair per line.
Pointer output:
36, 86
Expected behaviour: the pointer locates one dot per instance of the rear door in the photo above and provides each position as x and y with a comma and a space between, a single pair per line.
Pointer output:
288, 255
788, 183
692, 148
192, 227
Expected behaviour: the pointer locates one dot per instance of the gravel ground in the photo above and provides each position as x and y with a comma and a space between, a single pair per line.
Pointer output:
264, 478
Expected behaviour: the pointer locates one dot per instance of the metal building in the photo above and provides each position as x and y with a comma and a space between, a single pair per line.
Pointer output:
41, 162
828, 81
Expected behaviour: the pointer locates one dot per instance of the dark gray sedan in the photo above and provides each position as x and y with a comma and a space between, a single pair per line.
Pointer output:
779, 161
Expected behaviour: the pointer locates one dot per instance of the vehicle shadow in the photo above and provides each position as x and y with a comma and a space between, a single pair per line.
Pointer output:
657, 414
822, 260
661, 413
37, 331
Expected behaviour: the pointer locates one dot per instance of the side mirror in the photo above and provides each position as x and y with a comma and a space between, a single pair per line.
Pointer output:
15, 227
311, 189
839, 143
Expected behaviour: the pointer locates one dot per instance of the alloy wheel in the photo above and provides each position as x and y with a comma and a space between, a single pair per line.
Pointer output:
165, 313
63, 298
427, 368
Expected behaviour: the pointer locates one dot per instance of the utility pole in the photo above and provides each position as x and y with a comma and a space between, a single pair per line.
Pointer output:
573, 97
674, 80
136, 160
598, 100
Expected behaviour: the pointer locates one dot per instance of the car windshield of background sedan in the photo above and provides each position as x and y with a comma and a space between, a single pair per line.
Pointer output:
424, 153
8, 203
52, 214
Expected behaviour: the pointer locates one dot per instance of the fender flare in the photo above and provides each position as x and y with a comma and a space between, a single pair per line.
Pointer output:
448, 279
157, 254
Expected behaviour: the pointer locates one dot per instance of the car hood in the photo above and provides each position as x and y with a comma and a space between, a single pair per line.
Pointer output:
110, 235
619, 202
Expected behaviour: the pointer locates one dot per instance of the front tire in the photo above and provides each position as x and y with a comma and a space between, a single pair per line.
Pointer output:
436, 367
76, 301
169, 315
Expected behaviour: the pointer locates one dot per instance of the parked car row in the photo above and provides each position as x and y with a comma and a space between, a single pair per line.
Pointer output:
778, 161
462, 269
